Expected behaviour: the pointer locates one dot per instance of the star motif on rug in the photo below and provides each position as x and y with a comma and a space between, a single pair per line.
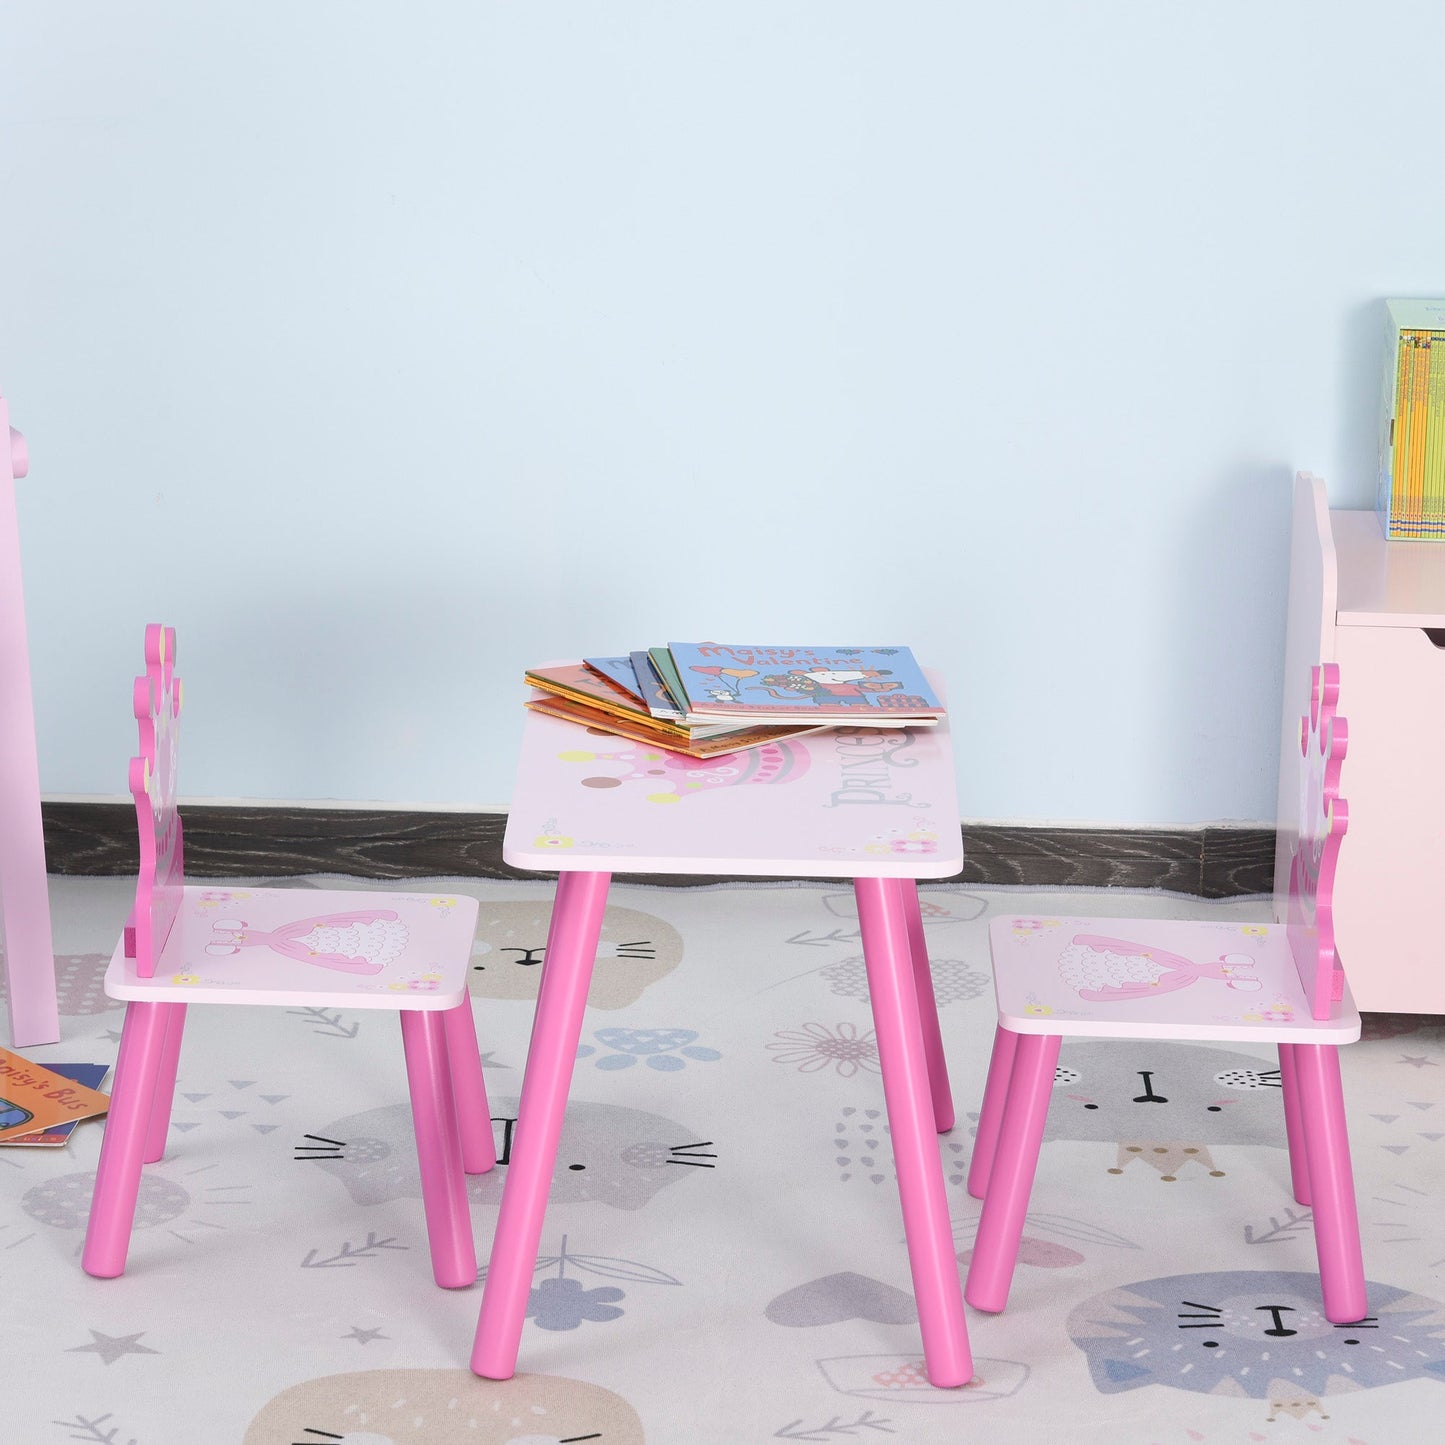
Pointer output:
111, 1347
364, 1337
1418, 1061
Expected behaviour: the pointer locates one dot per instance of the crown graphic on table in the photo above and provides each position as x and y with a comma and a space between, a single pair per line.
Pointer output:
156, 699
677, 775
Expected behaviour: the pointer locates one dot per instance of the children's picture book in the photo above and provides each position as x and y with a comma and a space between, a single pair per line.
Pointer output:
577, 679
579, 683
56, 1135
866, 686
660, 702
33, 1098
618, 670
663, 665
669, 737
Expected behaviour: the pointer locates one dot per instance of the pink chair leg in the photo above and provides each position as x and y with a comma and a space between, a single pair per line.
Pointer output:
165, 1091
903, 1059
1332, 1182
556, 1029
1015, 1159
928, 1012
474, 1114
117, 1178
1299, 1173
995, 1091
438, 1149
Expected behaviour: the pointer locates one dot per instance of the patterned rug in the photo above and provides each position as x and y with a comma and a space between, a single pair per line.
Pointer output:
723, 1258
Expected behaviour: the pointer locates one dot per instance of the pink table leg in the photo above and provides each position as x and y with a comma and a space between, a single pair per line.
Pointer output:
928, 1012
24, 896
474, 1115
1011, 1177
438, 1149
562, 997
1299, 1172
165, 1090
995, 1091
903, 1058
1332, 1182
117, 1179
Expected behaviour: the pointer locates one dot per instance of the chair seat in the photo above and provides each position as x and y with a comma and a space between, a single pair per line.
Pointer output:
1221, 980
328, 949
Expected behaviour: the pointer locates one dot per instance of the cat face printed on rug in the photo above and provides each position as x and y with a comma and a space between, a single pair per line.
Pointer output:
445, 1407
1243, 1332
607, 1153
79, 984
634, 950
1165, 1104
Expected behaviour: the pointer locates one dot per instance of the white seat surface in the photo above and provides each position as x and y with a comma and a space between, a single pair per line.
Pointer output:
1157, 979
329, 949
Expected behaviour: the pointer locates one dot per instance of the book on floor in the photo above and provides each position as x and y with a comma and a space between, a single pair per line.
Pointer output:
56, 1136
34, 1098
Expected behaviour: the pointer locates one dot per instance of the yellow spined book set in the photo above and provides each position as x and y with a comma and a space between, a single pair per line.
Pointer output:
1411, 497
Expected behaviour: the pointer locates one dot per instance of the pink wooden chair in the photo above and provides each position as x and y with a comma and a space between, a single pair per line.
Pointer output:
1219, 981
330, 950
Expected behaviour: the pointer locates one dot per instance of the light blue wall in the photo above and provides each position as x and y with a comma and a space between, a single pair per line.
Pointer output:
387, 348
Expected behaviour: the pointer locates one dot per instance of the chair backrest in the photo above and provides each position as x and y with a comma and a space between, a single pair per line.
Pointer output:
157, 700
1323, 818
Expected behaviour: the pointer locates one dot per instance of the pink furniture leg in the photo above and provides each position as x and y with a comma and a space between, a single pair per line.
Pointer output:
908, 1095
165, 1087
438, 1149
24, 899
928, 1011
1332, 1183
474, 1114
995, 1091
1015, 1160
117, 1180
556, 1029
1299, 1173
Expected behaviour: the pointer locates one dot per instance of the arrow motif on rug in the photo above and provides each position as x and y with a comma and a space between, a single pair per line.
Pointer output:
347, 1256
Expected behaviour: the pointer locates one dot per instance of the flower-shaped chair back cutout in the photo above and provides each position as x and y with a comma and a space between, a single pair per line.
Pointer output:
1323, 819
157, 700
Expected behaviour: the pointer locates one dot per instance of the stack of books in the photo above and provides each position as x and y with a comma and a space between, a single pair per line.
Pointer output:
704, 699
1411, 491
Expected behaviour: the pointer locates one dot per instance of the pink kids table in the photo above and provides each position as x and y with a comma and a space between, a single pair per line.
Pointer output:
24, 898
874, 805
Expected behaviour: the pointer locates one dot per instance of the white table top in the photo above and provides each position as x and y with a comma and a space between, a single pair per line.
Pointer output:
847, 803
1382, 583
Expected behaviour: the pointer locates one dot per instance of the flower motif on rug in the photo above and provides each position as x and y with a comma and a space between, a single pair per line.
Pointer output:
814, 1047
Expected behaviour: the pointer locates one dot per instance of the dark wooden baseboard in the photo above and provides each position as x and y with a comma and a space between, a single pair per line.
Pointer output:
274, 842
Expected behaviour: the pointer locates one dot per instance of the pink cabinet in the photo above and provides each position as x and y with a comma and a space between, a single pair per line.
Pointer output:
1378, 609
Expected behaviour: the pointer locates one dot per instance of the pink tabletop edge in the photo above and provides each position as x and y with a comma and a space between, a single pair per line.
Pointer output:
587, 803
